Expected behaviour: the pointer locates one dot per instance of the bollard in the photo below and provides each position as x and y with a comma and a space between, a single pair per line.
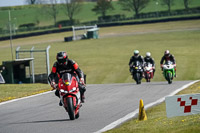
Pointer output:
142, 113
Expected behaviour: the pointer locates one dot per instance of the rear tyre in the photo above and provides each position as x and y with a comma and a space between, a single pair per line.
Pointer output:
71, 110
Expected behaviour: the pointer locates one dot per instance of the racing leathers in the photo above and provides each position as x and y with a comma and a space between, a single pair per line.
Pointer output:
68, 67
133, 61
171, 58
151, 61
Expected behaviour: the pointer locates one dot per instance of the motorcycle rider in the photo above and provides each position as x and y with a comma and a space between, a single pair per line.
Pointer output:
134, 58
168, 57
63, 65
149, 59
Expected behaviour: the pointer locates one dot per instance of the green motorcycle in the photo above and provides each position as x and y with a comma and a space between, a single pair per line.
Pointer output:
169, 71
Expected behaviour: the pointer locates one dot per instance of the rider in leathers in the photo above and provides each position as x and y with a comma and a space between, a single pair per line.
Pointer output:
149, 59
134, 58
168, 57
65, 65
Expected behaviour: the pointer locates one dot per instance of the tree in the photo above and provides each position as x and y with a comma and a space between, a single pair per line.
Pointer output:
53, 10
169, 3
31, 1
186, 3
102, 7
133, 5
72, 7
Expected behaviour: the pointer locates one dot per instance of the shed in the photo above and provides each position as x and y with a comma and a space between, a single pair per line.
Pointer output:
93, 33
17, 71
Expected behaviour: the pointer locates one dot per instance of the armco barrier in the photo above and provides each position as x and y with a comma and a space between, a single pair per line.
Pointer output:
101, 25
36, 33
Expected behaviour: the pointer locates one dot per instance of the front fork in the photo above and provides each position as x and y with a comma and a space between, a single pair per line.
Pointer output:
76, 99
165, 72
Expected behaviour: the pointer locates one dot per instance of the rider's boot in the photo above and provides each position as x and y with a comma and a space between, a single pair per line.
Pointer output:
175, 73
57, 94
83, 98
82, 91
143, 76
60, 103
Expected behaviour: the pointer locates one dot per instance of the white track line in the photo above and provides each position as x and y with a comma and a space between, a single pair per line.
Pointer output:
134, 113
24, 98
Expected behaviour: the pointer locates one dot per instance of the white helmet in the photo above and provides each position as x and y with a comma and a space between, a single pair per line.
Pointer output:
167, 53
136, 53
148, 54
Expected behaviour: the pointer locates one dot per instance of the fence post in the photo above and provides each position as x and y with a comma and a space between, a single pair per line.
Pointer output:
47, 61
17, 52
33, 73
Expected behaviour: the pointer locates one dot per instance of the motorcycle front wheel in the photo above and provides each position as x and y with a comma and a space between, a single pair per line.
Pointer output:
70, 106
137, 78
148, 77
169, 78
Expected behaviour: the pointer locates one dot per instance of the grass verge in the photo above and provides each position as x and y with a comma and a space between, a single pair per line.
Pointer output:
159, 123
13, 91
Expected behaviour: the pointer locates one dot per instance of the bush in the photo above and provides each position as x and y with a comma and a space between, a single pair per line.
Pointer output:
67, 22
27, 26
107, 18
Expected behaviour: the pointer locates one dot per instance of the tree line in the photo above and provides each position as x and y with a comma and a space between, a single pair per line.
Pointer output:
102, 7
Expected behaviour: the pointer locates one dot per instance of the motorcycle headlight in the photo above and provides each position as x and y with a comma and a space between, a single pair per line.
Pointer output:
73, 89
63, 91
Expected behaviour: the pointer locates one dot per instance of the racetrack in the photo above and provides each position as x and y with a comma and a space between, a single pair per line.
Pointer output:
104, 104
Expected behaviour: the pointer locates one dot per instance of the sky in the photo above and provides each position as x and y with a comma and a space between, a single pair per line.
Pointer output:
4, 3
11, 2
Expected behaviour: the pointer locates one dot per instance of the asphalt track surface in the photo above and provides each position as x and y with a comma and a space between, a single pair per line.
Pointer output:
104, 105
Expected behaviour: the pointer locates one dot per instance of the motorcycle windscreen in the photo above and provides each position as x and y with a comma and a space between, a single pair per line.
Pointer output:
137, 63
168, 62
67, 78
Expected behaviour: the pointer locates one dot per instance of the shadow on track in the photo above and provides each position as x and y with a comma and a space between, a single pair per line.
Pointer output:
45, 121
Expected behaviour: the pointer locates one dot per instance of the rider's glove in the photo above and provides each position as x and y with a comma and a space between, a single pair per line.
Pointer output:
53, 85
161, 66
82, 80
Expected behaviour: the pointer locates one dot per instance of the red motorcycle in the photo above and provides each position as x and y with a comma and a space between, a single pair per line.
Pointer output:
148, 72
70, 94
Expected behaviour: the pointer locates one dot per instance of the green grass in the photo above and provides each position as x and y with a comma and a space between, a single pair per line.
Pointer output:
12, 91
106, 60
157, 121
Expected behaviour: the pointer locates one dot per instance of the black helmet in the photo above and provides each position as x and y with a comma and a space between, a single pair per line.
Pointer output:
62, 57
